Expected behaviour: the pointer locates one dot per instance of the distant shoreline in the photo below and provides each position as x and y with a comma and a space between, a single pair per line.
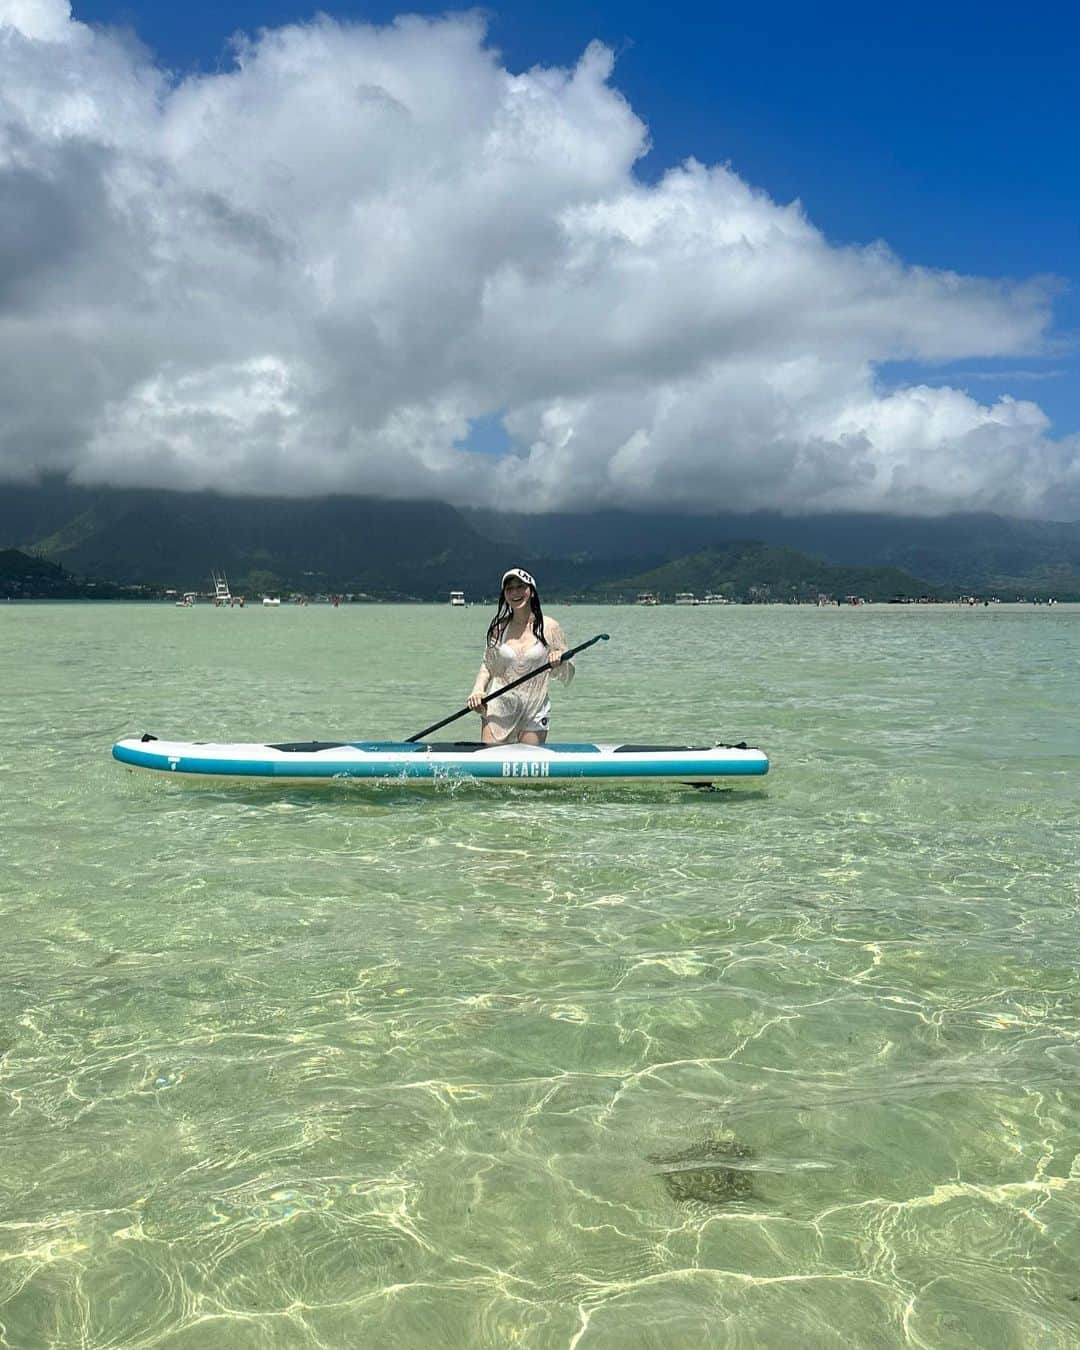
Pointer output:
312, 603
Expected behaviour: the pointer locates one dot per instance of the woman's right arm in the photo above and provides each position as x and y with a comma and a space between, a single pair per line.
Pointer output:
480, 684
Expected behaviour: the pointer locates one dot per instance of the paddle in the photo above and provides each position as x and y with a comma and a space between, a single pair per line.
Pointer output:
600, 637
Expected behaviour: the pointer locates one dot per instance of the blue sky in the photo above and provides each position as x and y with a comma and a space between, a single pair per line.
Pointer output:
609, 325
950, 130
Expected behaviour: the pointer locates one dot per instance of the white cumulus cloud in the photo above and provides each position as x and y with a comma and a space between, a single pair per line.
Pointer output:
315, 270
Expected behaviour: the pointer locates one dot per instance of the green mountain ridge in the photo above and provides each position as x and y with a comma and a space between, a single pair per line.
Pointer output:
176, 539
424, 549
965, 552
24, 576
763, 572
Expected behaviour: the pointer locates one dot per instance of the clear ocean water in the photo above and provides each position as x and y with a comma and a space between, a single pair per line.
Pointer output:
794, 1065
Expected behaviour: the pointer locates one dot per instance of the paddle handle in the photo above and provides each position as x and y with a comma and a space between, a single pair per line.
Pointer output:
600, 637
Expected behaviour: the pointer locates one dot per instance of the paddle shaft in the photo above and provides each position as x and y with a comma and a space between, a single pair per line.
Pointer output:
600, 637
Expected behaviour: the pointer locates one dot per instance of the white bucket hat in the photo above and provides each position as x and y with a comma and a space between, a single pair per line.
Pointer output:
521, 575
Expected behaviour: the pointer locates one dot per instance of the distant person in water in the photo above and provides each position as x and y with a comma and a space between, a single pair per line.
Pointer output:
519, 639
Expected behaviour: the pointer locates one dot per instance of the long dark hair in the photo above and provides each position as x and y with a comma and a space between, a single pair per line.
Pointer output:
504, 613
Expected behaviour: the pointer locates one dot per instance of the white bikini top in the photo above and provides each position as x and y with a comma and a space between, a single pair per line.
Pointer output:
504, 663
536, 652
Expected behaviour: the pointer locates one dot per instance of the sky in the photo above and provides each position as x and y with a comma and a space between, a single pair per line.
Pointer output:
580, 255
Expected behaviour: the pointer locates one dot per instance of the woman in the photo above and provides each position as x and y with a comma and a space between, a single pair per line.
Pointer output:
519, 639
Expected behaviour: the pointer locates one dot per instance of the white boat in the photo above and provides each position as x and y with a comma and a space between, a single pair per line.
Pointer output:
222, 595
271, 600
647, 598
687, 598
714, 598
457, 599
187, 601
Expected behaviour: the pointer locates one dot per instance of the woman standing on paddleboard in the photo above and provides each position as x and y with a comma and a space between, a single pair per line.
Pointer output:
519, 639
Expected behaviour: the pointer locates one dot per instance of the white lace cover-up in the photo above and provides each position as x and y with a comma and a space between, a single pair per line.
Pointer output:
527, 708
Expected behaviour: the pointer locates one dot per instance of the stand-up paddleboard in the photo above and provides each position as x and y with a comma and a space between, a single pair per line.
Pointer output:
425, 761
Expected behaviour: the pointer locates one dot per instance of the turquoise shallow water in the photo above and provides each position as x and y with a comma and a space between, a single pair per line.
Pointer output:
792, 1065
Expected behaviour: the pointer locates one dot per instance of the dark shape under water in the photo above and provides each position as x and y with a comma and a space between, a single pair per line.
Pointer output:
710, 1182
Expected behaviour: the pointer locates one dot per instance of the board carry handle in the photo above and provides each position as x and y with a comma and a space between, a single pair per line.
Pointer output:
566, 656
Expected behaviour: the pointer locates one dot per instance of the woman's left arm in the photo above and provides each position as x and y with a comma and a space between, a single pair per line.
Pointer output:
562, 670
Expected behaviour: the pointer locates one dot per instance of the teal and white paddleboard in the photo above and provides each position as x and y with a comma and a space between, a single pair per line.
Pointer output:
314, 761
